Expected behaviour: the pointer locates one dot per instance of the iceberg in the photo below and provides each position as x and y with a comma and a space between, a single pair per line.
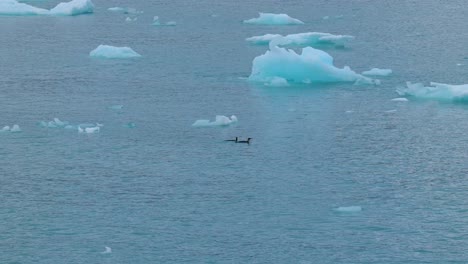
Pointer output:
436, 91
301, 39
349, 209
219, 121
311, 66
14, 129
111, 52
56, 123
72, 8
377, 72
273, 19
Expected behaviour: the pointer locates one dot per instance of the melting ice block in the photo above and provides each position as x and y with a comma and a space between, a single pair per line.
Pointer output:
111, 52
348, 209
219, 121
72, 8
377, 72
310, 66
273, 19
302, 39
436, 91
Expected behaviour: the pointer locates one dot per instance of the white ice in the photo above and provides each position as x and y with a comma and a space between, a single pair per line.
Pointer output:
156, 22
72, 8
111, 52
377, 72
301, 39
436, 91
219, 121
310, 66
273, 19
400, 99
348, 209
107, 250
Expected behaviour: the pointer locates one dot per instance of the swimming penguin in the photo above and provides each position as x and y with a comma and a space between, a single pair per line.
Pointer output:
244, 141
233, 140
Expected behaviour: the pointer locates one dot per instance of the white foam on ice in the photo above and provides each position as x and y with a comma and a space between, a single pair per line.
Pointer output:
273, 19
377, 72
219, 121
436, 91
310, 66
348, 209
111, 52
72, 8
301, 39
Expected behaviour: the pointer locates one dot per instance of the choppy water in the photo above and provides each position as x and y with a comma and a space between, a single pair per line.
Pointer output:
165, 192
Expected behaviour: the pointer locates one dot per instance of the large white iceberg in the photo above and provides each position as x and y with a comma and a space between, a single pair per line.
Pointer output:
301, 39
436, 91
72, 8
311, 66
273, 19
111, 52
377, 72
219, 121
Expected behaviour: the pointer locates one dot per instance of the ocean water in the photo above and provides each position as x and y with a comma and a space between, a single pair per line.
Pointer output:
166, 192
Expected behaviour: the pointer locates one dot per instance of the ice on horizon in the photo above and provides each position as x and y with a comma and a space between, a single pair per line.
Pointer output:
436, 91
273, 19
72, 8
310, 66
111, 52
219, 121
377, 72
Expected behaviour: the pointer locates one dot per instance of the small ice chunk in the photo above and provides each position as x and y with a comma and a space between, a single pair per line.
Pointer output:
301, 39
273, 19
325, 17
111, 52
88, 130
130, 125
378, 72
171, 23
116, 107
400, 99
128, 19
15, 128
348, 209
5, 129
349, 111
391, 111
219, 121
107, 250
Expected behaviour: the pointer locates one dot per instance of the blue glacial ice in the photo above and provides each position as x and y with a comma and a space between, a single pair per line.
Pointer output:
125, 10
111, 52
436, 91
377, 72
219, 121
301, 39
273, 19
311, 66
72, 8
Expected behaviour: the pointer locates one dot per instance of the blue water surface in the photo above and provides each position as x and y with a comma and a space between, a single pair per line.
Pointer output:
157, 190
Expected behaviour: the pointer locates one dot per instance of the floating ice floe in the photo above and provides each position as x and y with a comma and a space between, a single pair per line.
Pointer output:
301, 39
400, 99
273, 19
348, 209
107, 250
129, 19
56, 123
111, 52
377, 72
219, 121
14, 129
311, 66
89, 130
125, 10
156, 22
72, 8
436, 91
